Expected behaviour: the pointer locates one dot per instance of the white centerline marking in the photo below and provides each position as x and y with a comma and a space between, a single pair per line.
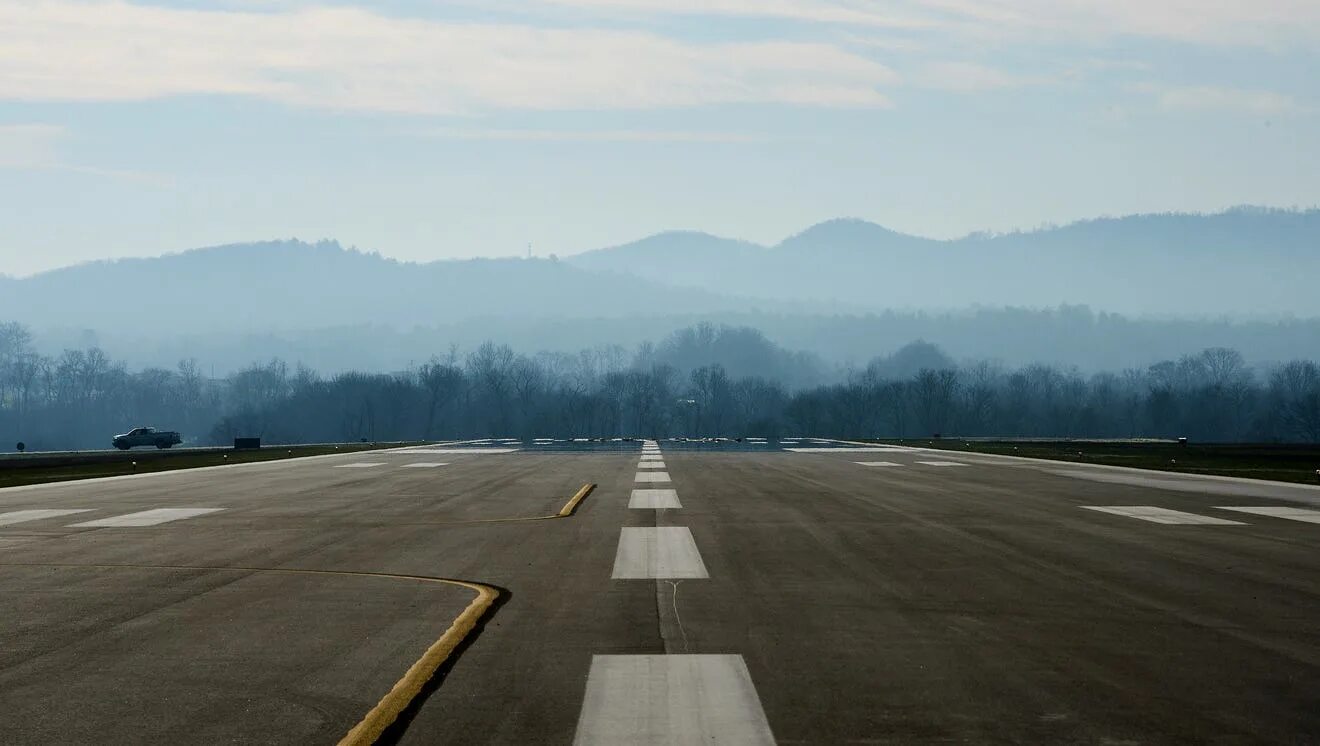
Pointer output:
1161, 515
148, 517
942, 463
423, 465
361, 465
876, 463
846, 450
650, 464
451, 451
652, 476
1288, 514
654, 499
663, 552
23, 516
671, 699
651, 457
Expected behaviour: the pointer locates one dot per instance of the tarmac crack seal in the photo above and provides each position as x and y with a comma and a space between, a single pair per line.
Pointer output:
406, 691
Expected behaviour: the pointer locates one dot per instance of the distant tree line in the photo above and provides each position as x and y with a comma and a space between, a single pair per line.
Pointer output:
701, 381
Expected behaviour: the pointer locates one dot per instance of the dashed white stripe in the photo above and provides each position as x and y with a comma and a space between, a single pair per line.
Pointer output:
148, 517
662, 552
651, 457
652, 476
846, 450
671, 699
650, 464
876, 463
23, 516
474, 451
654, 499
423, 465
1161, 515
1288, 514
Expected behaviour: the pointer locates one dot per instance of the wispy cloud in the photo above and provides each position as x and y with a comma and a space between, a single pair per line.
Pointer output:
966, 77
38, 147
347, 58
621, 136
1208, 98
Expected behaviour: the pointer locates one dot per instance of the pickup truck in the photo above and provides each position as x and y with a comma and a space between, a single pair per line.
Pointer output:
147, 436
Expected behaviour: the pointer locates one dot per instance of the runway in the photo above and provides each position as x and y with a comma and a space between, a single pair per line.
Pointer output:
808, 591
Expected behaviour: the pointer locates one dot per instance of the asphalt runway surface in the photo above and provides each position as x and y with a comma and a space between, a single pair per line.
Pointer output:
797, 592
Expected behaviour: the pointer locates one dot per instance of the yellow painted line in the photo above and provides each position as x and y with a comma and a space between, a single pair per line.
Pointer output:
383, 715
572, 504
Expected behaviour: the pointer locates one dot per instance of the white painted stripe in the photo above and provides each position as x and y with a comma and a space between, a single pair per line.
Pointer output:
652, 476
148, 517
654, 499
847, 450
23, 516
1161, 515
475, 451
650, 464
423, 465
663, 552
651, 457
361, 465
876, 463
1289, 514
671, 699
942, 463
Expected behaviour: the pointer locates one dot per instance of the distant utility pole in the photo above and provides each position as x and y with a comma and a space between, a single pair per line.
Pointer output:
529, 249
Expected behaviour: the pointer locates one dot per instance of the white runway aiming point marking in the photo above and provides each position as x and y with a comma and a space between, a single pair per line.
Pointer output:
654, 499
1288, 514
23, 516
147, 518
671, 699
659, 553
1161, 515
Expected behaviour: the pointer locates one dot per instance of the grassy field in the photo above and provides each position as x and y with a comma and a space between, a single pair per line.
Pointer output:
1284, 463
37, 468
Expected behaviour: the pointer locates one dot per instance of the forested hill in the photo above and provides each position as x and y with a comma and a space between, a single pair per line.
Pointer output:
1250, 261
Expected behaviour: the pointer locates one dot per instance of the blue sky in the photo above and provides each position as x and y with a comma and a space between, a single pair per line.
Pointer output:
429, 130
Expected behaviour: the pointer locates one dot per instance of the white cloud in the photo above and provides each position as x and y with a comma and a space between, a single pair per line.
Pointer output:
624, 136
29, 145
346, 58
867, 13
966, 77
1204, 98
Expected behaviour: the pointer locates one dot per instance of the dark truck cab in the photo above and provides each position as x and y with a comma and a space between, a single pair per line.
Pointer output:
147, 436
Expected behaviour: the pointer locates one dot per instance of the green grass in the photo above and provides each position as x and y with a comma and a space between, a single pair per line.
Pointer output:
1284, 463
37, 468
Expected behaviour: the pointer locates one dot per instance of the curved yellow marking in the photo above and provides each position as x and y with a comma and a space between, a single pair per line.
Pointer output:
383, 715
572, 504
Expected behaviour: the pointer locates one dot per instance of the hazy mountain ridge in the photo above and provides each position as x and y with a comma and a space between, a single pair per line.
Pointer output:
294, 285
1252, 261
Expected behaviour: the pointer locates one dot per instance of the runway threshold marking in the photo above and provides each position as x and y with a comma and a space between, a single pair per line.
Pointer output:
1289, 514
652, 476
153, 517
671, 699
406, 689
658, 553
23, 516
652, 499
1161, 515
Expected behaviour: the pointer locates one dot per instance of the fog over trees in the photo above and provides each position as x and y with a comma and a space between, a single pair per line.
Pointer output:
703, 380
